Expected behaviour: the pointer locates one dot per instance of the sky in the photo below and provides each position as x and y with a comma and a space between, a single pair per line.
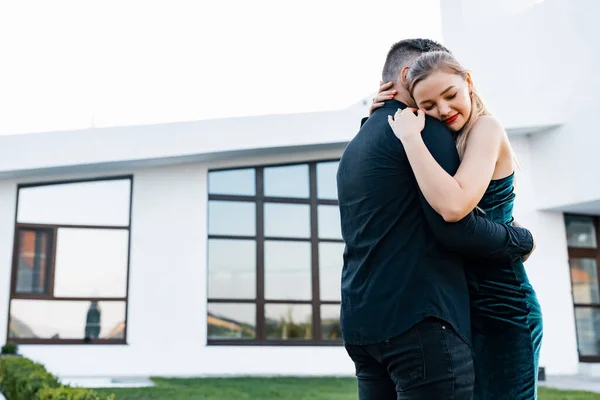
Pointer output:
74, 64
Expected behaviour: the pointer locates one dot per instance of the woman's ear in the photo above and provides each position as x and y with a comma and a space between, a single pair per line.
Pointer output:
469, 81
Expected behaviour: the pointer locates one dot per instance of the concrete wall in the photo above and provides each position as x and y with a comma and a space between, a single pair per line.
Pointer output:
166, 331
535, 62
167, 287
547, 268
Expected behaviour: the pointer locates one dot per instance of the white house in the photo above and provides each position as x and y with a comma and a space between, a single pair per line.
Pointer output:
213, 247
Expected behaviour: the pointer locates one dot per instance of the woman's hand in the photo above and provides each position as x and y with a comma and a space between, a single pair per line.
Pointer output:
385, 93
406, 125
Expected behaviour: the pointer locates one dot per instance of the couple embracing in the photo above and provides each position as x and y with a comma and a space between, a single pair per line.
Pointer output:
436, 303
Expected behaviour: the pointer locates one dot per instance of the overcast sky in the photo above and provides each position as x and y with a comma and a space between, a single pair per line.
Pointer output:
68, 64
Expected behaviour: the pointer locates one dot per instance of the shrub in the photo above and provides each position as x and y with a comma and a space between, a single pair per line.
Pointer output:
68, 393
10, 348
23, 379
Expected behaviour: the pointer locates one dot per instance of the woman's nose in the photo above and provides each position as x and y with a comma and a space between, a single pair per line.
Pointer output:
444, 110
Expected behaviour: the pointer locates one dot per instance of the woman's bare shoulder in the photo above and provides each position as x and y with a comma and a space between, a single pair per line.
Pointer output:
490, 124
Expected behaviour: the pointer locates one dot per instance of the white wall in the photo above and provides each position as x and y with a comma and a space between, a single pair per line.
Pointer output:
167, 291
536, 62
200, 139
547, 268
166, 331
8, 204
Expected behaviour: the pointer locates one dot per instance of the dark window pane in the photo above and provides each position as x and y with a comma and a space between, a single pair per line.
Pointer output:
231, 321
287, 270
289, 181
588, 331
584, 278
326, 180
288, 321
231, 218
91, 262
46, 319
329, 222
103, 203
287, 220
330, 270
33, 259
234, 182
231, 269
581, 231
330, 322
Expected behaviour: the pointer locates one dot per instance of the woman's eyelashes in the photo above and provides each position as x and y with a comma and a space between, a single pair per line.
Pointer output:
430, 106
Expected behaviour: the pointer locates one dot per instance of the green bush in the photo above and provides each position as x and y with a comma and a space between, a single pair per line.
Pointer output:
23, 379
10, 348
67, 393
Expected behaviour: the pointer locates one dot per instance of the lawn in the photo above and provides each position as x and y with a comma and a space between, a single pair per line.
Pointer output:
274, 388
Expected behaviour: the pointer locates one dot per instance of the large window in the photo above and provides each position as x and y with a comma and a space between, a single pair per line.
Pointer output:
71, 262
582, 238
274, 255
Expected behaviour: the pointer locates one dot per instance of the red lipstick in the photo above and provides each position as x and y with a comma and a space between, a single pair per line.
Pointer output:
450, 120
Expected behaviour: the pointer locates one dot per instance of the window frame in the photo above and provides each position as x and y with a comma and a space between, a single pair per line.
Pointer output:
51, 265
578, 253
259, 199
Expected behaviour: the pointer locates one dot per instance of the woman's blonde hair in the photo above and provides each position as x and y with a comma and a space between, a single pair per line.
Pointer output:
434, 61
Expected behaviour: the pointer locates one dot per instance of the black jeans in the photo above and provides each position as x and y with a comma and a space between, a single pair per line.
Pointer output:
428, 362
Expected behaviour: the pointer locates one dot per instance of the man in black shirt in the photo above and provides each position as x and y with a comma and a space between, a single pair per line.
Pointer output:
405, 305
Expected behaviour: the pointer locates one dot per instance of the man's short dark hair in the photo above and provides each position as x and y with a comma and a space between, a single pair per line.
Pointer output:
403, 53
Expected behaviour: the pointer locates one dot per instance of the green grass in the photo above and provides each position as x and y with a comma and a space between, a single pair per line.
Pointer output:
551, 394
274, 388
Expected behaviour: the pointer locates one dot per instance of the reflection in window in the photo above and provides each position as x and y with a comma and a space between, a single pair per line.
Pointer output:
584, 278
32, 261
275, 255
330, 270
232, 218
583, 253
588, 331
231, 321
329, 222
287, 270
581, 231
46, 319
237, 182
289, 181
73, 255
231, 269
330, 322
103, 203
288, 321
287, 220
326, 180
91, 263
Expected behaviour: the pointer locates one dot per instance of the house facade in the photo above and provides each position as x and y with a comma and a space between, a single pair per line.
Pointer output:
214, 248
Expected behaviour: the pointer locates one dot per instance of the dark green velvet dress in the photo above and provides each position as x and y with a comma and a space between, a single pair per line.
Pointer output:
506, 317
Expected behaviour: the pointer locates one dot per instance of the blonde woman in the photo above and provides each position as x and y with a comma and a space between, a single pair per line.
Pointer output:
506, 317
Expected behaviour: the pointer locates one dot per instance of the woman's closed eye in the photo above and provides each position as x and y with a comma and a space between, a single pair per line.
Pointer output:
450, 97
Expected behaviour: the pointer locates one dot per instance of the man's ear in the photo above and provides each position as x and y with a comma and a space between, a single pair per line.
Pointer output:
403, 73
